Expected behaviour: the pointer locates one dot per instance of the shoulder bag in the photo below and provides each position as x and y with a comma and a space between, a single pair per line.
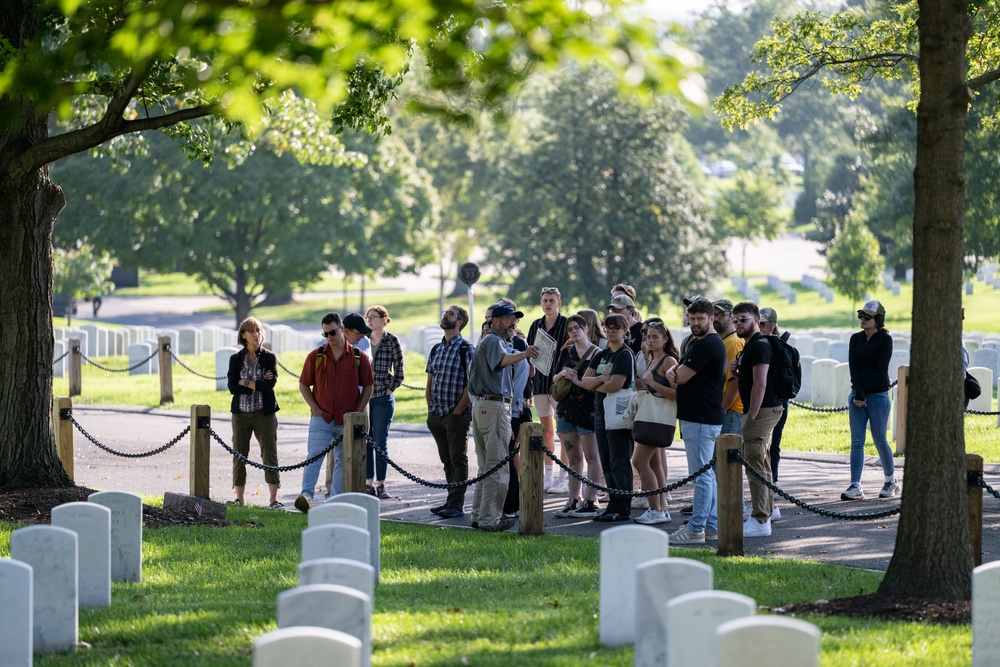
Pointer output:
564, 386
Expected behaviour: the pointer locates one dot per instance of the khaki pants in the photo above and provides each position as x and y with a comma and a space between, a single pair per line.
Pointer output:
756, 450
491, 431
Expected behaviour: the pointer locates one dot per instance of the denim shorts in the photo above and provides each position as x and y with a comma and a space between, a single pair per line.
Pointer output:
563, 426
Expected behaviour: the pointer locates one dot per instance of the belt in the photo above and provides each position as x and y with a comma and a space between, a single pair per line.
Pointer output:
490, 397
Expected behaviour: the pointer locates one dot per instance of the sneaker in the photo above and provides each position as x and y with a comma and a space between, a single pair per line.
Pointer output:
302, 503
381, 493
558, 486
853, 492
585, 510
712, 535
611, 517
237, 501
451, 513
651, 516
600, 515
474, 524
687, 536
437, 510
754, 528
276, 505
775, 514
568, 509
369, 489
889, 490
687, 511
503, 524
640, 503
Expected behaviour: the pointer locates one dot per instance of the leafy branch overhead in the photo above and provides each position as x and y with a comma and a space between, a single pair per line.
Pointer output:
845, 51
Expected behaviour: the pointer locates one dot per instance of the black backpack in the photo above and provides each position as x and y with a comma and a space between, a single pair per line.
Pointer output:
785, 370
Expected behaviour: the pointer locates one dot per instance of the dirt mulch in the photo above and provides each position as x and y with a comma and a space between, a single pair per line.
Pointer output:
886, 608
35, 506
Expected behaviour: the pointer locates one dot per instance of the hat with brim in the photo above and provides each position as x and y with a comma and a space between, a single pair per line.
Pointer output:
503, 310
357, 323
691, 299
621, 301
768, 316
872, 308
725, 305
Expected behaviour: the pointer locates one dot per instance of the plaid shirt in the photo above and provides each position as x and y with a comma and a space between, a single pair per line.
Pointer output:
387, 365
255, 401
448, 376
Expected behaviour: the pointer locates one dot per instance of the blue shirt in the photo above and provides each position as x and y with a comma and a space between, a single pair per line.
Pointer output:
447, 374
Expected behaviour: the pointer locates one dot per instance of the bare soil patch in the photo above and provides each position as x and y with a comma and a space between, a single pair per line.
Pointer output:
887, 608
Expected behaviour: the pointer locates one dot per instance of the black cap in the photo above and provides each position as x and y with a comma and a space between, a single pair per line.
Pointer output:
356, 322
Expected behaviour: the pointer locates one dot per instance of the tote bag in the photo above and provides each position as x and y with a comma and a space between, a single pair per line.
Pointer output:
655, 421
615, 407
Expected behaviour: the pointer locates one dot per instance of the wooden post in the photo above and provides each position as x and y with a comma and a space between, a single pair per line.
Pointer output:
166, 371
63, 429
532, 495
199, 477
974, 471
729, 481
355, 452
75, 362
902, 392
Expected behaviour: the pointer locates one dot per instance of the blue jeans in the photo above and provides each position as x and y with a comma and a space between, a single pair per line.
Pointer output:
699, 446
380, 411
732, 422
320, 435
875, 415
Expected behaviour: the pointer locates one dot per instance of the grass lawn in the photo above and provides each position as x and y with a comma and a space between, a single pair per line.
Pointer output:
447, 597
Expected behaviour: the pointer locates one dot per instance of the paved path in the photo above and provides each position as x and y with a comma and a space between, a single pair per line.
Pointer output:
815, 478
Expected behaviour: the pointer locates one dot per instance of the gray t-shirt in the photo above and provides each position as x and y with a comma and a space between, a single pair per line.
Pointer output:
485, 375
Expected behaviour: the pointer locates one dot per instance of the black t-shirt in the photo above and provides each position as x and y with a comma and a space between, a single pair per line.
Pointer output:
607, 362
756, 351
699, 400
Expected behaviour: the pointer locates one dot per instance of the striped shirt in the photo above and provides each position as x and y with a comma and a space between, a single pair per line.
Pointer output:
387, 364
447, 374
542, 382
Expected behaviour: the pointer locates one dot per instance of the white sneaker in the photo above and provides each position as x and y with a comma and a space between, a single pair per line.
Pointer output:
558, 486
640, 503
753, 528
776, 514
687, 536
651, 516
711, 535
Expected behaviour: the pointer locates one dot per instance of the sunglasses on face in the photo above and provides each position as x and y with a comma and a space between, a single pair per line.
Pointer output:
864, 317
331, 333
741, 320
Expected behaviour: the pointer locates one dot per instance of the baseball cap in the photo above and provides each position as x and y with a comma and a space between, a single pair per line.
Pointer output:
356, 322
621, 301
725, 305
503, 310
873, 308
768, 315
691, 299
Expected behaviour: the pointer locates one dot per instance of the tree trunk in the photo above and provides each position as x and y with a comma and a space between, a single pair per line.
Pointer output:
933, 556
30, 206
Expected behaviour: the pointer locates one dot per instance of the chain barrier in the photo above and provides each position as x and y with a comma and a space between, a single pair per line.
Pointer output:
116, 370
840, 409
67, 413
189, 369
981, 483
981, 412
621, 492
287, 369
204, 422
437, 485
60, 358
735, 456
410, 386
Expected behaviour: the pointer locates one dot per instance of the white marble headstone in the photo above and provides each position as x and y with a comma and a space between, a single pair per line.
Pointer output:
306, 646
986, 615
755, 641
372, 505
824, 385
623, 549
222, 356
691, 620
336, 541
985, 378
139, 351
805, 394
838, 350
15, 613
344, 513
656, 582
329, 606
126, 533
340, 571
51, 553
92, 524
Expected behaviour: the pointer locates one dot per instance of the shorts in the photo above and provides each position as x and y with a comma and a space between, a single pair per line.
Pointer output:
563, 426
544, 404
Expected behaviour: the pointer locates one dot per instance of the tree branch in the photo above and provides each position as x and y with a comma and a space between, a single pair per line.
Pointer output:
983, 79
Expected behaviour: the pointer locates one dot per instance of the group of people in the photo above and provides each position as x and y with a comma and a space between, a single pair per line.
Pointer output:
358, 368
613, 391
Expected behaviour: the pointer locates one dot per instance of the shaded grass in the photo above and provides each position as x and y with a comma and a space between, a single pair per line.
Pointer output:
447, 597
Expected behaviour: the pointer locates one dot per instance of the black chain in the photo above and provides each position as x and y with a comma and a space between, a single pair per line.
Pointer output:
66, 413
632, 494
203, 422
63, 356
178, 360
981, 483
410, 386
437, 485
116, 370
287, 369
980, 412
841, 409
735, 453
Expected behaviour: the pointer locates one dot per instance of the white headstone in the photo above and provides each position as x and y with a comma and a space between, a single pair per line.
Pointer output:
306, 646
126, 533
139, 351
345, 513
987, 357
623, 549
821, 348
656, 582
371, 505
91, 349
51, 553
804, 344
59, 350
15, 613
899, 358
824, 388
691, 621
188, 340
340, 571
92, 524
985, 377
838, 350
986, 615
805, 394
842, 378
329, 606
222, 356
173, 335
117, 342
336, 541
754, 640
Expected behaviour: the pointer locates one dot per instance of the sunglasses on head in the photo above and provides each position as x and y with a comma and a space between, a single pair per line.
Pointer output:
550, 290
864, 317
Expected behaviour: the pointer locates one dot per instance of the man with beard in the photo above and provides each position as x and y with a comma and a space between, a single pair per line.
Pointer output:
448, 406
491, 385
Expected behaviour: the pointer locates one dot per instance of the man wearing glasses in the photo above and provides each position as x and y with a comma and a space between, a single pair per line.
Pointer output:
335, 379
491, 383
554, 324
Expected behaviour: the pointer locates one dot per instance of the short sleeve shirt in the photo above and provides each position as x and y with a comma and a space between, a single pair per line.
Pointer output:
337, 384
607, 362
485, 375
756, 351
699, 400
734, 346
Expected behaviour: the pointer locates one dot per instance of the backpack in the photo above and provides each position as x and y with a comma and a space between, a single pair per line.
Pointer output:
321, 361
785, 370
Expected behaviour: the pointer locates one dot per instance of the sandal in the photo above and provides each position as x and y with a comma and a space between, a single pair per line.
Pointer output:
276, 505
234, 502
